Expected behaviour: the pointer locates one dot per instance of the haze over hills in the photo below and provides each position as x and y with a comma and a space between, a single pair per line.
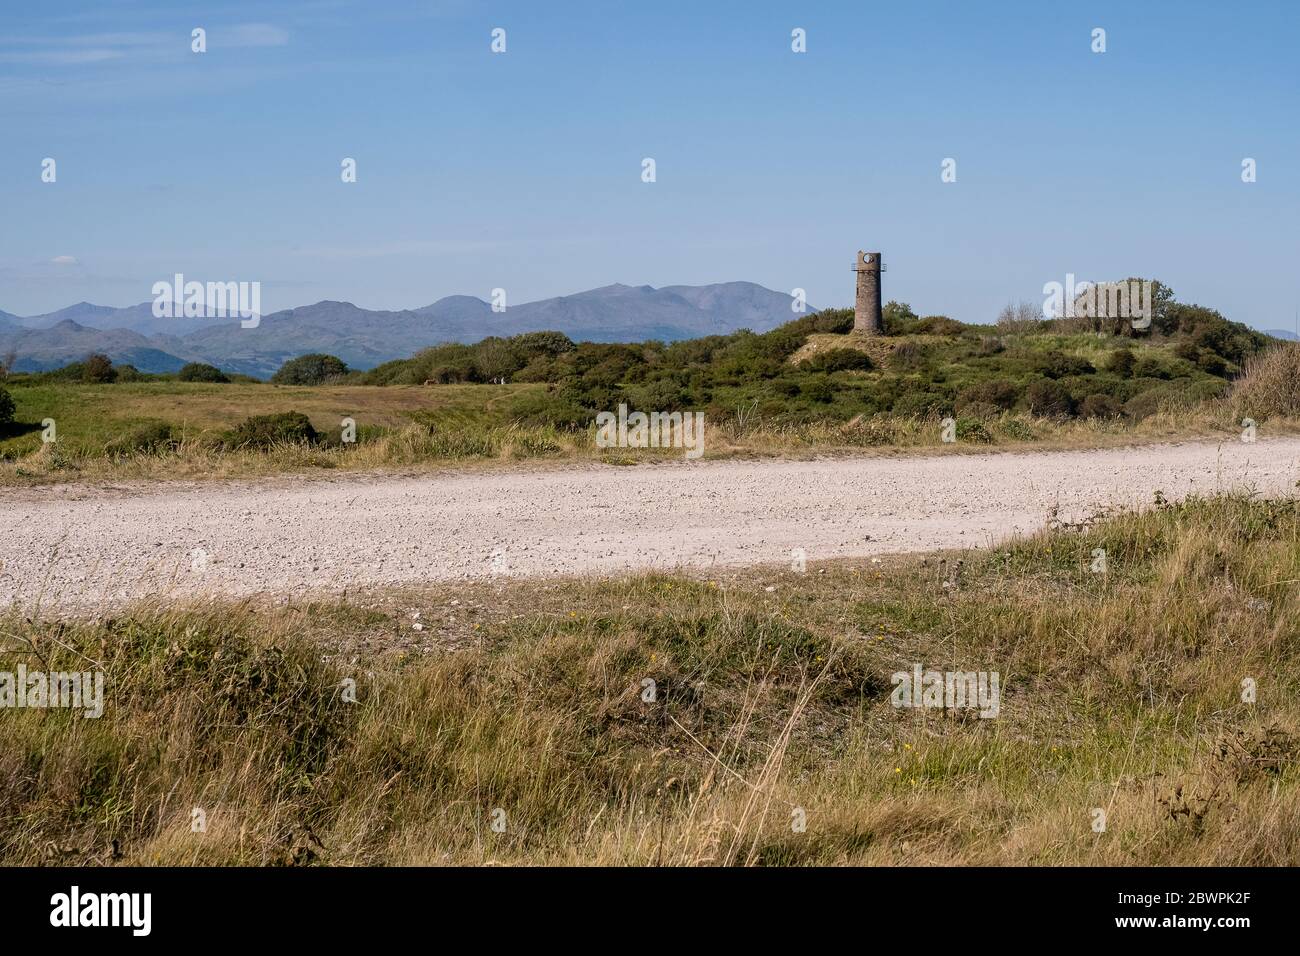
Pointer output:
365, 338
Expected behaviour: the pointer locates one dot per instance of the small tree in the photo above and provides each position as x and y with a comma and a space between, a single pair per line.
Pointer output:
98, 368
897, 318
201, 372
6, 409
314, 369
1020, 316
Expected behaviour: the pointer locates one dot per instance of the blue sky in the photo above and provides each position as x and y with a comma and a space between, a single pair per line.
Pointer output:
523, 170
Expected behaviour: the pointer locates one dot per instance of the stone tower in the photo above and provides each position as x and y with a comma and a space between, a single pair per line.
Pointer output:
866, 307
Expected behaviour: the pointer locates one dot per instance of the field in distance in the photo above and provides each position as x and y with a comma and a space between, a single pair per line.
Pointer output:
810, 387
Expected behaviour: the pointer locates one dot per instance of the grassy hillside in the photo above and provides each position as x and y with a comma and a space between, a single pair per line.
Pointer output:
810, 386
526, 703
811, 370
90, 417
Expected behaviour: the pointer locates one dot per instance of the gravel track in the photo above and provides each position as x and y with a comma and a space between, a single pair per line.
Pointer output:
82, 546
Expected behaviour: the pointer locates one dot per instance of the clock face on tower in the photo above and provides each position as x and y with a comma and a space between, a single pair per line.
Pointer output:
866, 257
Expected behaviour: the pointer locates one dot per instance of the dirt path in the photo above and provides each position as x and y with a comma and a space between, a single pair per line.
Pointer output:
80, 546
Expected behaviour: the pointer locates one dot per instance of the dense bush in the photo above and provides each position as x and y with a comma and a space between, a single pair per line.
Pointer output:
148, 438
836, 321
817, 389
998, 393
1122, 362
129, 373
1099, 405
201, 372
1056, 364
897, 318
1049, 399
921, 405
314, 369
263, 431
973, 430
939, 325
97, 369
1143, 404
838, 360
531, 357
6, 409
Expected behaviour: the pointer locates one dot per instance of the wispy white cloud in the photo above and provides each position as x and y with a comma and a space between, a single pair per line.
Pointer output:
64, 260
91, 48
92, 39
62, 57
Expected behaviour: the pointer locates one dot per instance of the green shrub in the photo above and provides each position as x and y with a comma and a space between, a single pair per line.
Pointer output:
201, 372
1143, 405
1151, 367
1055, 364
939, 325
1100, 405
1122, 362
837, 321
817, 389
838, 360
551, 407
921, 405
532, 344
1016, 429
897, 318
1049, 399
1210, 362
148, 439
314, 369
6, 409
263, 431
973, 430
1001, 394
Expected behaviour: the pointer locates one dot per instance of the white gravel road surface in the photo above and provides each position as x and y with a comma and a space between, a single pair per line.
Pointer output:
86, 546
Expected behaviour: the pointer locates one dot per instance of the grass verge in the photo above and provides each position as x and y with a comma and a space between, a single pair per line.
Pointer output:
767, 736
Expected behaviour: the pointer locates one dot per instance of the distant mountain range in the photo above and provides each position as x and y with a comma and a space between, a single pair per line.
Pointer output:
365, 338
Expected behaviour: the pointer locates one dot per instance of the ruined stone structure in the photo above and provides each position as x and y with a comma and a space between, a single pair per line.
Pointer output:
866, 307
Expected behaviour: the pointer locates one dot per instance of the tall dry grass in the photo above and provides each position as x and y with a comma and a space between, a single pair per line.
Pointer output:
1122, 691
1269, 386
740, 435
